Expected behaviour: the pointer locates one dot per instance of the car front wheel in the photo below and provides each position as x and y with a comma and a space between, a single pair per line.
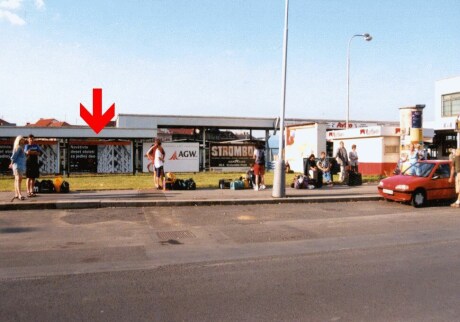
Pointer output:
418, 198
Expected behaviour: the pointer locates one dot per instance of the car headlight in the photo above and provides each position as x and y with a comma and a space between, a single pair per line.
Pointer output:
381, 184
402, 187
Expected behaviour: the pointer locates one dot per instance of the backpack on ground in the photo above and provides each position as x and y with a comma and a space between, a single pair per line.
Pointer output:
46, 186
224, 184
190, 184
37, 186
179, 184
65, 187
57, 183
301, 182
168, 185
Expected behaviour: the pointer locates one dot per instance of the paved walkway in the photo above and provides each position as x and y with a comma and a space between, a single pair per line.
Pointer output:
149, 198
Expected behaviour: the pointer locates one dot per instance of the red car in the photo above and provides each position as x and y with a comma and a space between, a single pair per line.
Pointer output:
423, 181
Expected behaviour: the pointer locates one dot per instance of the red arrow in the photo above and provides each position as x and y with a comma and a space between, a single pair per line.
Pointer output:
97, 121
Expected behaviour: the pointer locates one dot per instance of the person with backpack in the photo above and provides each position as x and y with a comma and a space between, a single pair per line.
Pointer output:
259, 167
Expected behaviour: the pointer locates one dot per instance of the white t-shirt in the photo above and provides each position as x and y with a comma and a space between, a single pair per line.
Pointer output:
258, 153
158, 162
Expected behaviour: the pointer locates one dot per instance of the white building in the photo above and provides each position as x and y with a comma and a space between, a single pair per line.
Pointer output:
447, 112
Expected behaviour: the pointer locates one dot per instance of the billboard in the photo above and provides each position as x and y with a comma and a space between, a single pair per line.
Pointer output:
50, 157
231, 157
301, 141
180, 157
49, 160
100, 157
83, 158
6, 150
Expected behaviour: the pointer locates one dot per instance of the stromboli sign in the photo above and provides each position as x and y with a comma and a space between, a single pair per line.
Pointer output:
231, 157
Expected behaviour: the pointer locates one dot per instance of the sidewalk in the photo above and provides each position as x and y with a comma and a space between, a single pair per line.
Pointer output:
199, 197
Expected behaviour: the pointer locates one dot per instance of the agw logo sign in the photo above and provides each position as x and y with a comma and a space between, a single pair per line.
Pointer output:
183, 155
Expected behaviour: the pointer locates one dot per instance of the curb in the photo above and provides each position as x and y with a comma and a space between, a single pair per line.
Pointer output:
179, 203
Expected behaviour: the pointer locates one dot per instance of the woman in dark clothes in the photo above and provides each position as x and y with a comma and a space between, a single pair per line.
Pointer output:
32, 151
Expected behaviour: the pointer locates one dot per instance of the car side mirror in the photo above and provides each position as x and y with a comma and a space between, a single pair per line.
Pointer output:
435, 177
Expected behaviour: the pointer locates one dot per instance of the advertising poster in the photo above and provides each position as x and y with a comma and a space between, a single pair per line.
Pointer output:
417, 119
50, 158
114, 157
232, 157
83, 158
180, 157
6, 150
300, 143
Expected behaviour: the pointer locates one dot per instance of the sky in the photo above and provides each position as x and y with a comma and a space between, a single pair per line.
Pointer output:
224, 57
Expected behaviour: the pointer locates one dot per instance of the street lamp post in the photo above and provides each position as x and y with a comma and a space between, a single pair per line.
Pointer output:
279, 179
366, 37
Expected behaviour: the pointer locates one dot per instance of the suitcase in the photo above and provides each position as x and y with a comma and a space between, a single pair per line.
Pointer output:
355, 179
224, 184
236, 185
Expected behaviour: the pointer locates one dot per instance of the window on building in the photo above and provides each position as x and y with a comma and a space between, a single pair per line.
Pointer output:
451, 104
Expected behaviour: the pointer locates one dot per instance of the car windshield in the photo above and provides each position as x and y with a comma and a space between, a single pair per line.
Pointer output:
419, 169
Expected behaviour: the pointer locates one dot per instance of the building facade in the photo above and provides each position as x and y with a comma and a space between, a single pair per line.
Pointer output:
447, 112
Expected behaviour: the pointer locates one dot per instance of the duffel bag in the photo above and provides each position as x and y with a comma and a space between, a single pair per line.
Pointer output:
236, 185
224, 184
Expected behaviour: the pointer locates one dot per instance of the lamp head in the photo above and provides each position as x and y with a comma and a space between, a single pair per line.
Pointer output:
367, 37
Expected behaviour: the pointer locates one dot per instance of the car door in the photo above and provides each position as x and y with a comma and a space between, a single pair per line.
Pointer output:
442, 188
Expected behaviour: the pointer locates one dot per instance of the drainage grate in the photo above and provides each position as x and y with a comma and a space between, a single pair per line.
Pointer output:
168, 235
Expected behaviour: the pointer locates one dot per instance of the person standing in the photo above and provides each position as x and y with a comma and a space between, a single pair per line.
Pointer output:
259, 167
18, 164
32, 151
455, 171
421, 152
158, 163
151, 156
342, 159
353, 156
325, 167
412, 158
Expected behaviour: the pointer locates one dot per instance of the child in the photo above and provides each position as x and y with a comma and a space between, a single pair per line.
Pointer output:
325, 166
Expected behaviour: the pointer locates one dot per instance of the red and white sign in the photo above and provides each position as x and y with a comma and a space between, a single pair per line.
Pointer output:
180, 157
343, 125
364, 132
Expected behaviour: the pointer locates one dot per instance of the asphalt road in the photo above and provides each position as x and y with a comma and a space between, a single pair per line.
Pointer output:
358, 261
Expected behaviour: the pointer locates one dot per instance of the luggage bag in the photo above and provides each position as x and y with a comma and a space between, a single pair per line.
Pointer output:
355, 179
224, 184
236, 185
